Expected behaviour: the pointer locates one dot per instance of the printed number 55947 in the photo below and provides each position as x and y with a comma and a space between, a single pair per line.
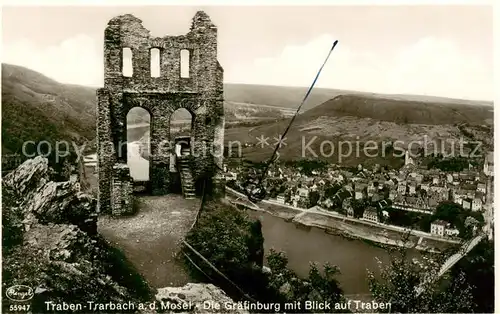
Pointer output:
19, 307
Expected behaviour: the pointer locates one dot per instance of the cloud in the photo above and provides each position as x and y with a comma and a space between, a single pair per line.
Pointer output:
76, 60
430, 66
438, 67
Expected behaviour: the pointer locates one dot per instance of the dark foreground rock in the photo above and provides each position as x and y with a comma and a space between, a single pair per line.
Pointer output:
51, 248
50, 244
203, 298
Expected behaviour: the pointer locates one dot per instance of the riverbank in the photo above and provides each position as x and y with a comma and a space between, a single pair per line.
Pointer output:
303, 245
376, 234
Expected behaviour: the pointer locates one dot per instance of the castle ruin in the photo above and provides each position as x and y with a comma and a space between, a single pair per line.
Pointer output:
190, 161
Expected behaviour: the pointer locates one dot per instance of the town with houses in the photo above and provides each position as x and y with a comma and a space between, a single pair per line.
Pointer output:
376, 194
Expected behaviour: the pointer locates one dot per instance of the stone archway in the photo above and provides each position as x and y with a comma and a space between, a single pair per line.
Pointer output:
181, 135
198, 89
138, 148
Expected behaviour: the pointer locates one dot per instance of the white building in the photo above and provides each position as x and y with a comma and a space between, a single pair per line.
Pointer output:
438, 226
392, 194
488, 164
90, 160
358, 195
385, 214
303, 192
280, 199
467, 203
327, 203
424, 186
231, 176
408, 159
370, 214
402, 188
481, 187
371, 189
449, 178
452, 232
412, 188
477, 204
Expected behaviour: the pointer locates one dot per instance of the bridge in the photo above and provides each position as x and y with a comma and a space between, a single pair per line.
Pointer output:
451, 261
447, 265
486, 232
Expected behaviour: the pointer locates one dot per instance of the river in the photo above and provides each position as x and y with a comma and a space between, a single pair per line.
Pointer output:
139, 167
305, 245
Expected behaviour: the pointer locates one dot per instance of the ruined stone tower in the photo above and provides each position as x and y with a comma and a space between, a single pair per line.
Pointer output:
200, 91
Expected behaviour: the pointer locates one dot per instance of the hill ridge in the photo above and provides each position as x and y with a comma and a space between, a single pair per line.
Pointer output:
403, 112
36, 107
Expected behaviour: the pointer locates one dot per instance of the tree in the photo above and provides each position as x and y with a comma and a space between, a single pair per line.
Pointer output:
12, 217
233, 243
225, 236
358, 207
448, 211
256, 243
331, 190
273, 192
400, 280
313, 198
288, 196
318, 286
307, 166
454, 164
455, 214
478, 270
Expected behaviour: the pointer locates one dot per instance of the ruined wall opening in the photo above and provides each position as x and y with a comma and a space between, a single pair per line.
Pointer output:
185, 63
154, 55
138, 143
127, 67
181, 125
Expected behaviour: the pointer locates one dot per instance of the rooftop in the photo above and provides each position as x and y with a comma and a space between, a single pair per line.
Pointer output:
440, 222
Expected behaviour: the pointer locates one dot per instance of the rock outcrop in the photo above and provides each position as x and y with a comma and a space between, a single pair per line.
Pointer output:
44, 201
50, 245
197, 295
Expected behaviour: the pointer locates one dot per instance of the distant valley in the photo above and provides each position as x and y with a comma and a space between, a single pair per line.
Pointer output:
360, 118
38, 108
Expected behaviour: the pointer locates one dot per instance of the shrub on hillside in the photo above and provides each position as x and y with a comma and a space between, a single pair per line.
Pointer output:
319, 286
400, 278
233, 243
230, 240
12, 227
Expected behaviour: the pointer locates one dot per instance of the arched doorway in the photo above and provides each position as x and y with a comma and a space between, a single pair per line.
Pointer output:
181, 125
138, 143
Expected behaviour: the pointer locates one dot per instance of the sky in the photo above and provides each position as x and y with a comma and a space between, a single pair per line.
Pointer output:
425, 50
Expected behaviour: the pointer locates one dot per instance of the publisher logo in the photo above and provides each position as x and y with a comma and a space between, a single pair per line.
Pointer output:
19, 293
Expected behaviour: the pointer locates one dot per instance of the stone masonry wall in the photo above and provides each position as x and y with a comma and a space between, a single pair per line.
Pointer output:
201, 94
122, 188
105, 152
